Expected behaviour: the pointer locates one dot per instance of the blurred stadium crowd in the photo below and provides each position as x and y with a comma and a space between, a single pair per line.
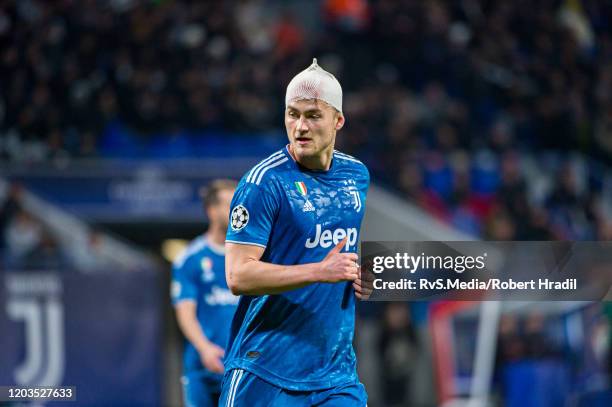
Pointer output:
494, 116
31, 240
24, 239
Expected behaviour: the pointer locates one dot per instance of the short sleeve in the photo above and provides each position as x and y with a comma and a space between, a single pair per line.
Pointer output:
253, 211
184, 282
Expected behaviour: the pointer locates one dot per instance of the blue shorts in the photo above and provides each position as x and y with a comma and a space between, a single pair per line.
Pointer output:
200, 390
244, 389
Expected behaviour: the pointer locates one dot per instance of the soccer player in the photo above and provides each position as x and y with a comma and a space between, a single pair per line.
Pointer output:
291, 252
203, 303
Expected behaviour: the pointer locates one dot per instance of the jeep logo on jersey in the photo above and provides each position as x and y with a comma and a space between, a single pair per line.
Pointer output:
221, 296
327, 238
240, 218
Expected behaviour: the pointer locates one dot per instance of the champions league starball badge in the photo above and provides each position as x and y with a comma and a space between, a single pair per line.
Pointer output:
240, 218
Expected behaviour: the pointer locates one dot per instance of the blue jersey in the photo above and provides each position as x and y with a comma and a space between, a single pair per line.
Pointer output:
300, 339
199, 275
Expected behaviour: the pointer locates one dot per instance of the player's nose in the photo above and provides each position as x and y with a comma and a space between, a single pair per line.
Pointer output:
301, 125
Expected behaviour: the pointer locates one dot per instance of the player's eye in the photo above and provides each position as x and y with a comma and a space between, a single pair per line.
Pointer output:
293, 114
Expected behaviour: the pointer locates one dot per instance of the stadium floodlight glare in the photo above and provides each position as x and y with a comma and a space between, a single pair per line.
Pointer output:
315, 83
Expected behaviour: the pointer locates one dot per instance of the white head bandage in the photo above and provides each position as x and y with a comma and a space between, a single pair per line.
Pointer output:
315, 83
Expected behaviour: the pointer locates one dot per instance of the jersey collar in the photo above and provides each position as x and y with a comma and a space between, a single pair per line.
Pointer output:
216, 248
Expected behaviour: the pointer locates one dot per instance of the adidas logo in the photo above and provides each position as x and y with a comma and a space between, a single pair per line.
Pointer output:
308, 207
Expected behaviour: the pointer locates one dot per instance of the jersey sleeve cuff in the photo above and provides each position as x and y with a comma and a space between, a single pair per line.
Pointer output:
181, 299
245, 243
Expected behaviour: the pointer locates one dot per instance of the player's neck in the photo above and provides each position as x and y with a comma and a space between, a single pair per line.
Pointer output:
216, 235
320, 162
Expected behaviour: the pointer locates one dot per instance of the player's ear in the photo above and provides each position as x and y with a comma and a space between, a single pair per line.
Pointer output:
339, 121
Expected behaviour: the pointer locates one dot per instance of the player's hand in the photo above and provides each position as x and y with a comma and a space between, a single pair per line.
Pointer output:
338, 266
211, 358
363, 285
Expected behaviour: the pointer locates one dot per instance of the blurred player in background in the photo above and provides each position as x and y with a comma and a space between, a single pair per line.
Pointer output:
291, 251
204, 305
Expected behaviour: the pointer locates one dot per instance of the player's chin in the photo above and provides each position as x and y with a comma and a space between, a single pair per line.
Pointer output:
304, 149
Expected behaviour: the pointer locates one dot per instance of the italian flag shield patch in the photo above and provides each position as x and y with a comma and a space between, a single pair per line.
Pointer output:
301, 187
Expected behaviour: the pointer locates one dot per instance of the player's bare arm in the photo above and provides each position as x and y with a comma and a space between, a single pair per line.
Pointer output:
247, 275
210, 353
